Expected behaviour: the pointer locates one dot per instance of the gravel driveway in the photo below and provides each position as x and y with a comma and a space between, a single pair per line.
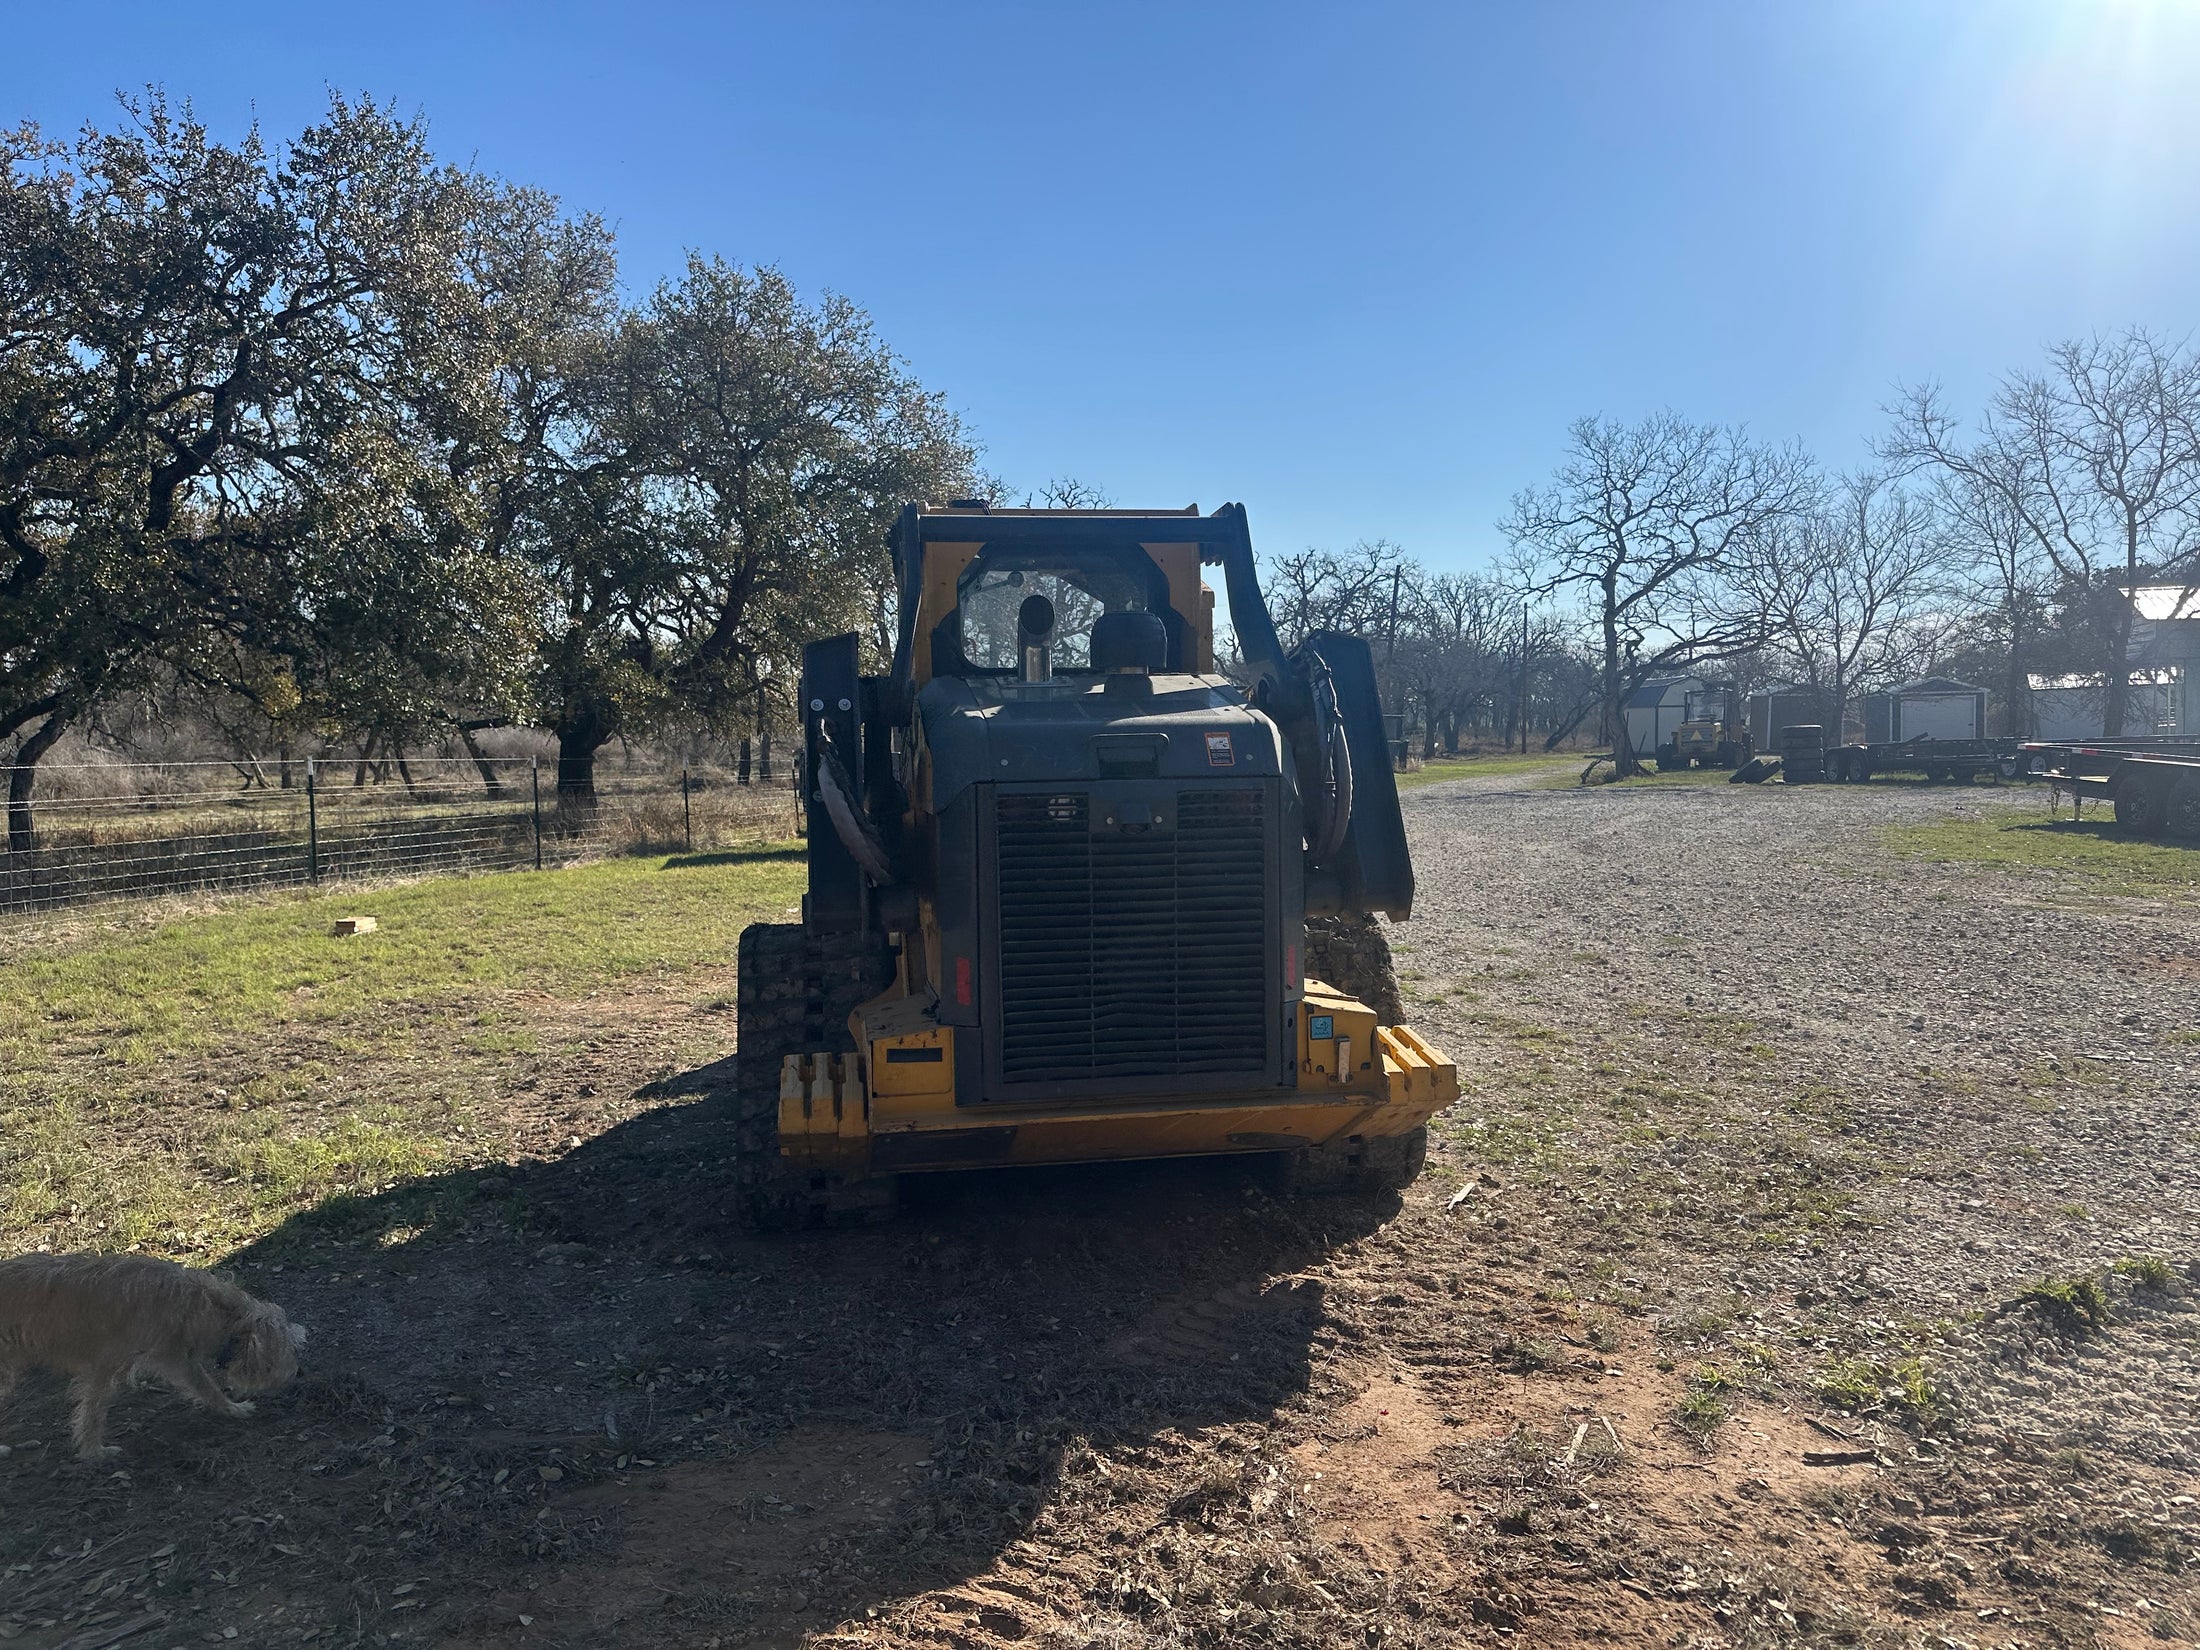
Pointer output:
1857, 1104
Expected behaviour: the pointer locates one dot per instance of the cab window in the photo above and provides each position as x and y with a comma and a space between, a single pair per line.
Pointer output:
993, 591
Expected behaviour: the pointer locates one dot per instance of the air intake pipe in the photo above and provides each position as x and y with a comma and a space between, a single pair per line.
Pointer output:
1035, 638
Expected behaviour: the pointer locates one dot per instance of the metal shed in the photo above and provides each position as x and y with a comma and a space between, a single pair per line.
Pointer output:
1774, 708
1655, 708
1933, 707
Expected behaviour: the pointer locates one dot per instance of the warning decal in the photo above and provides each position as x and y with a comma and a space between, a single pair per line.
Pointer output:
1219, 753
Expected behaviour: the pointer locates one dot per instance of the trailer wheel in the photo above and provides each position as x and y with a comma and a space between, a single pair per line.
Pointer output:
2142, 804
2184, 808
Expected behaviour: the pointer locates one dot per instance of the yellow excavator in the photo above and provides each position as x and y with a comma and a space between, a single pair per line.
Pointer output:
1076, 895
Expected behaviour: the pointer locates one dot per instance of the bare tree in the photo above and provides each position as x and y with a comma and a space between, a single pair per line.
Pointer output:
2098, 457
1847, 589
1456, 650
2003, 578
1655, 524
1068, 493
1357, 590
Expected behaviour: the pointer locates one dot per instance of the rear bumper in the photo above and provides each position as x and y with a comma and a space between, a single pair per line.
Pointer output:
831, 1121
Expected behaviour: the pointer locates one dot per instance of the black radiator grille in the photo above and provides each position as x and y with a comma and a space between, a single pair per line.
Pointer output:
1133, 954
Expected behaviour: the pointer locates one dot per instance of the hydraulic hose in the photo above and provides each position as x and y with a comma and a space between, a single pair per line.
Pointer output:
850, 822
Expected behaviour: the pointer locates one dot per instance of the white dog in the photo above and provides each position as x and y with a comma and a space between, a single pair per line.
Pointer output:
101, 1319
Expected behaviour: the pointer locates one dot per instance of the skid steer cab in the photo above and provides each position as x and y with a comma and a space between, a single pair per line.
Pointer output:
1073, 894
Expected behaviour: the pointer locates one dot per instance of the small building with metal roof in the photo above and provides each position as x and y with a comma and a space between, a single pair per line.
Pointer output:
2072, 707
1655, 709
1933, 707
1786, 706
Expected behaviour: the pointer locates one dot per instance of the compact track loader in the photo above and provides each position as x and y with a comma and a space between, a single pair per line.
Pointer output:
1074, 895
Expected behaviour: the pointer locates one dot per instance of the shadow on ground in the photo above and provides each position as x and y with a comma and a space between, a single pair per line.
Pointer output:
567, 1403
760, 853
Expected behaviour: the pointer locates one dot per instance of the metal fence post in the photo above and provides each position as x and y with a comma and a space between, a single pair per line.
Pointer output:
534, 779
687, 814
313, 826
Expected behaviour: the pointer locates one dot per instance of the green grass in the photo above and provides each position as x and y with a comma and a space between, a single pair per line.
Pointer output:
183, 1084
188, 984
1703, 1407
2092, 853
1859, 1384
2149, 1272
2077, 1307
1848, 1383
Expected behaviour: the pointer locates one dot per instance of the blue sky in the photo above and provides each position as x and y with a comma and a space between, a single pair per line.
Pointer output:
1355, 265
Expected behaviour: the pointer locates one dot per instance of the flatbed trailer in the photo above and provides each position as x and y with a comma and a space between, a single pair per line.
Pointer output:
2153, 784
1942, 761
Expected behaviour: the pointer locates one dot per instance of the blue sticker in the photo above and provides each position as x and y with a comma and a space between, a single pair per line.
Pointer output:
1321, 1027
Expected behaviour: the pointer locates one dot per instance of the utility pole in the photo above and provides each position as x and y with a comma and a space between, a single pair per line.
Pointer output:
1390, 655
1390, 669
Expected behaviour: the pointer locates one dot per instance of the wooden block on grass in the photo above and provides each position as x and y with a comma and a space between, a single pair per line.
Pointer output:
355, 925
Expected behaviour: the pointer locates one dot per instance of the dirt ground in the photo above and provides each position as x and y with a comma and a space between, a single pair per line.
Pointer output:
1782, 1148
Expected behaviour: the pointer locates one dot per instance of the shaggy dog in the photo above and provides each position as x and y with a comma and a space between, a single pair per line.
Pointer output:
103, 1319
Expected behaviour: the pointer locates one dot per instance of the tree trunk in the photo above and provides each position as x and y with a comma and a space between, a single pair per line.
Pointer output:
1624, 762
578, 744
1570, 721
22, 832
492, 786
2016, 693
2116, 671
587, 721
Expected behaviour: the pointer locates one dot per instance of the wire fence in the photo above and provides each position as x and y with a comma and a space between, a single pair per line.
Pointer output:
133, 831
